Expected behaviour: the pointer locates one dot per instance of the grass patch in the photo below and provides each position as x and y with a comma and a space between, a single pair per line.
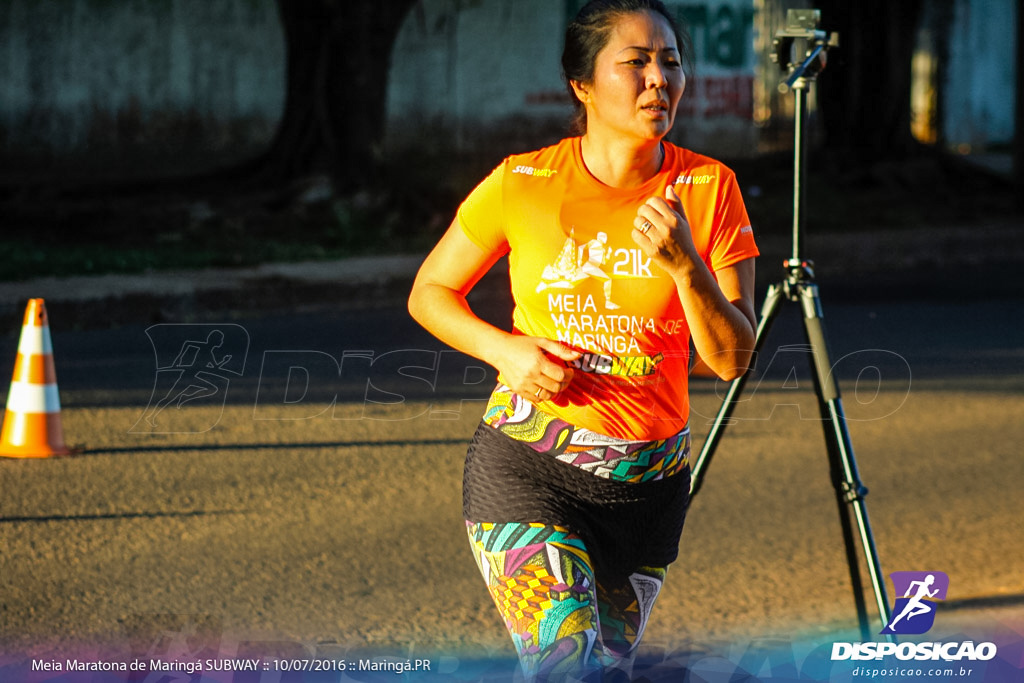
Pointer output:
108, 232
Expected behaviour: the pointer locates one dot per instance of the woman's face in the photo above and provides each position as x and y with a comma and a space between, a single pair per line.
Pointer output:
638, 79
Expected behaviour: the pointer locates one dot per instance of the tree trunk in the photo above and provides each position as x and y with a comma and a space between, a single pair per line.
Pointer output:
338, 54
864, 93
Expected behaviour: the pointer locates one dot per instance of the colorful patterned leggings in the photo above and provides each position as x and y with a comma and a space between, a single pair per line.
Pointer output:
560, 618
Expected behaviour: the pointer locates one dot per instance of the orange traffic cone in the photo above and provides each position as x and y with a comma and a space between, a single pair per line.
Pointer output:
32, 426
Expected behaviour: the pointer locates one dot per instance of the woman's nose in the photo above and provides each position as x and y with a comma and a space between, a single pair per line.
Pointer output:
656, 76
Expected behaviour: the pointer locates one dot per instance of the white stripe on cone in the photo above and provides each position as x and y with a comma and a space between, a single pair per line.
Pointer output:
35, 341
33, 398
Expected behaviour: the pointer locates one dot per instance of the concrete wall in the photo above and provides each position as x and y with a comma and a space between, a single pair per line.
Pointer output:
80, 75
463, 67
84, 76
980, 86
489, 72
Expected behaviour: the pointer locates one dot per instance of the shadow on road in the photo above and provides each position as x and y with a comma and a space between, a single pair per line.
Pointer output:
118, 515
272, 446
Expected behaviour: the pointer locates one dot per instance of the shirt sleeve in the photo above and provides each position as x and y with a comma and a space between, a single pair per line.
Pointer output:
733, 239
481, 215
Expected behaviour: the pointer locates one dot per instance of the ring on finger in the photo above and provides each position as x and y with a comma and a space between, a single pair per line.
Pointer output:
647, 225
537, 393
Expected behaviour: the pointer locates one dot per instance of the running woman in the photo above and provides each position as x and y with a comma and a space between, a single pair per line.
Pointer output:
576, 482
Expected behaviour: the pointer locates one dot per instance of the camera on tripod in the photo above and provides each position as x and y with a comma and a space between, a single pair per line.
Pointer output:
801, 48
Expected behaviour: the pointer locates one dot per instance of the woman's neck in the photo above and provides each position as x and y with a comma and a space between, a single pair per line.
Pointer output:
619, 163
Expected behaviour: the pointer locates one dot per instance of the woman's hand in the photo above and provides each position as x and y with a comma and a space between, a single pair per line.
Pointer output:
534, 367
663, 233
718, 306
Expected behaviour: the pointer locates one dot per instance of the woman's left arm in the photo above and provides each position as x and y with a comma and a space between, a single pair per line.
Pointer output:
720, 312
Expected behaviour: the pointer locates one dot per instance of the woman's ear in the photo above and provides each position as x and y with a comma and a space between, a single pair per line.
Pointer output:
582, 93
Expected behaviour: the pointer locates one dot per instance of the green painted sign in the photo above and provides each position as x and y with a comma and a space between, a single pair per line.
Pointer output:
721, 31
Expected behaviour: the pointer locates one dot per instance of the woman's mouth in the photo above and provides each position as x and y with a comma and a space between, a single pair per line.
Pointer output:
657, 109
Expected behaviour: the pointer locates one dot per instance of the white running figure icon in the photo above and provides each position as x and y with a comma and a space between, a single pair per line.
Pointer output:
916, 605
570, 267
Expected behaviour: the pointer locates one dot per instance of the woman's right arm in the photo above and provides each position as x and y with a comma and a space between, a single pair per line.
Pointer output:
532, 366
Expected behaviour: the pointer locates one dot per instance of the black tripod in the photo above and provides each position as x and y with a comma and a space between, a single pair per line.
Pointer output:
799, 287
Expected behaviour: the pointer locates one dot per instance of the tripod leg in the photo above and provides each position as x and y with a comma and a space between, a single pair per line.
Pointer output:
846, 479
769, 310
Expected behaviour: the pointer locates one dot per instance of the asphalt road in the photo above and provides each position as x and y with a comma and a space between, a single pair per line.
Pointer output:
311, 503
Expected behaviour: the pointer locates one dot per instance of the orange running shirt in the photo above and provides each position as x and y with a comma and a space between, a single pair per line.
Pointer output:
578, 277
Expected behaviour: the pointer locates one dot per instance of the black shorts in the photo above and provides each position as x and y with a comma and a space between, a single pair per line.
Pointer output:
624, 525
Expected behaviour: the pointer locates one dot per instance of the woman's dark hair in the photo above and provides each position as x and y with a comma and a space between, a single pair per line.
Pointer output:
590, 31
